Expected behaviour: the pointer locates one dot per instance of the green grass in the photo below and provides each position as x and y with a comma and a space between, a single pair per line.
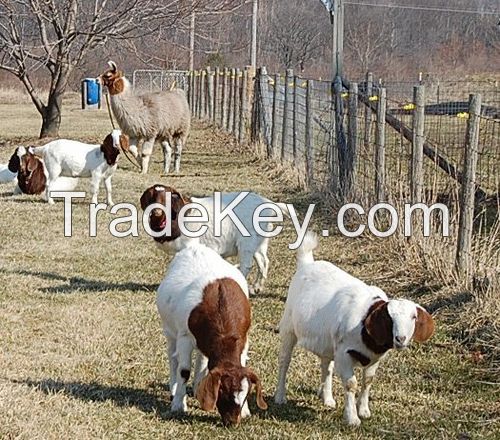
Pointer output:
81, 350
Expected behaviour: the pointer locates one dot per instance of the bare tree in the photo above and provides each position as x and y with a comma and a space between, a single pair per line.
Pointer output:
292, 38
54, 36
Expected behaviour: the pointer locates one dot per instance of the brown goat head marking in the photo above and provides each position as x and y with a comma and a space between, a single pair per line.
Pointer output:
218, 389
124, 142
157, 219
31, 177
208, 390
109, 150
254, 379
424, 325
378, 326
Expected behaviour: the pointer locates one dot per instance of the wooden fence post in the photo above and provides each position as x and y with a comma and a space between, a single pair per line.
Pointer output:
203, 74
351, 161
223, 111
417, 157
230, 103
380, 147
236, 101
198, 94
216, 94
309, 135
467, 196
210, 91
274, 128
295, 115
243, 106
286, 113
191, 91
368, 112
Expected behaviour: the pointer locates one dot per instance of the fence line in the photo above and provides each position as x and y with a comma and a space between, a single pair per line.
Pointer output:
395, 149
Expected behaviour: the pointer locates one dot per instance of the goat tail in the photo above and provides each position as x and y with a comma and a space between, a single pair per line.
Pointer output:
306, 248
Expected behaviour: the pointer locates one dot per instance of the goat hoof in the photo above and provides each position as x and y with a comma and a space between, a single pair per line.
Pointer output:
178, 408
280, 400
330, 403
364, 412
352, 421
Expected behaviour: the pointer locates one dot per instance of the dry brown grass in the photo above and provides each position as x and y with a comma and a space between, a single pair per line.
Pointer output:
82, 355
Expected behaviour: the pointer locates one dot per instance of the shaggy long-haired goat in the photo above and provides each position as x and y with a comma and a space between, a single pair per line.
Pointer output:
348, 324
162, 116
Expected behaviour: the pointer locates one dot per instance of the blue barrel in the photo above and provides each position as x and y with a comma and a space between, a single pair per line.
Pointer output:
93, 88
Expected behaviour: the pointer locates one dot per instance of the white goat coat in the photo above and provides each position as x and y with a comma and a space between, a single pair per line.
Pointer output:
231, 242
76, 159
191, 270
326, 307
7, 175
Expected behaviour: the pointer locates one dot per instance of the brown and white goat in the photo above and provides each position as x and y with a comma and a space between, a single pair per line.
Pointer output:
32, 175
348, 324
203, 304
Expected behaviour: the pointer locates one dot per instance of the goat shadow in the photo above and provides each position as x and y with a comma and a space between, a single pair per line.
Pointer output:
148, 401
78, 284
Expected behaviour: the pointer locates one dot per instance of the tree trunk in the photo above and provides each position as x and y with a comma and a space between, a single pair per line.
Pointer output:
51, 116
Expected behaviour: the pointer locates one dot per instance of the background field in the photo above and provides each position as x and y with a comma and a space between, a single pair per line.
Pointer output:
81, 351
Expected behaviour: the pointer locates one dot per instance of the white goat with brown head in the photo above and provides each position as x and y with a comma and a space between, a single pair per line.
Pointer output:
348, 324
162, 116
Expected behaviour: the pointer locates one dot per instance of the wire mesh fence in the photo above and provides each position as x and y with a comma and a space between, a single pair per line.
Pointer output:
370, 142
147, 81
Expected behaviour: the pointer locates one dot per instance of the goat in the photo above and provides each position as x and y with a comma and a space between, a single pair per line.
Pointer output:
162, 116
203, 305
75, 159
8, 172
347, 324
231, 242
32, 174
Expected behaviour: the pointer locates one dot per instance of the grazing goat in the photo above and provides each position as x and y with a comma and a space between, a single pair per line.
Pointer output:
76, 159
162, 116
231, 242
203, 304
32, 175
347, 324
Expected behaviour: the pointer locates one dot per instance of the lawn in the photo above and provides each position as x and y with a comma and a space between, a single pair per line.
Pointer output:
81, 350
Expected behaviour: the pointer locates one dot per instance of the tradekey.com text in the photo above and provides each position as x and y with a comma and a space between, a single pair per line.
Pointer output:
193, 217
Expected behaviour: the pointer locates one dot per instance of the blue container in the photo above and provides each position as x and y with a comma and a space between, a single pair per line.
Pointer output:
93, 88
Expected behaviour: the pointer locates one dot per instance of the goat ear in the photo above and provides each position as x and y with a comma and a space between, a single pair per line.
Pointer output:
208, 390
112, 66
32, 163
253, 378
14, 163
424, 326
124, 142
147, 197
378, 324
